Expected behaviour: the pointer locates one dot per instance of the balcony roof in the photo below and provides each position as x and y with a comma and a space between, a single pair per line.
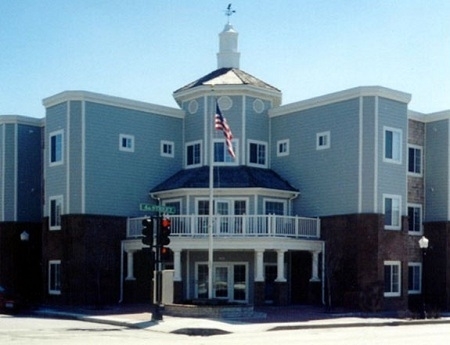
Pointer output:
225, 177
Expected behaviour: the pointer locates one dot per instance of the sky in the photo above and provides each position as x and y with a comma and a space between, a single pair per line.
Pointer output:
146, 49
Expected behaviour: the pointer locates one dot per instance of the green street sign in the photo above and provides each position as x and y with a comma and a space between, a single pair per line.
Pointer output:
156, 208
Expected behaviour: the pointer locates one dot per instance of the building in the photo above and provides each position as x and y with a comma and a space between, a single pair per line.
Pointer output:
324, 203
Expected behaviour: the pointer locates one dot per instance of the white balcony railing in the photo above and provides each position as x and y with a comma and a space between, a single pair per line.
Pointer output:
238, 226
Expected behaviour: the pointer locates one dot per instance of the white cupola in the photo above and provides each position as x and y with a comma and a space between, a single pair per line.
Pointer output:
228, 56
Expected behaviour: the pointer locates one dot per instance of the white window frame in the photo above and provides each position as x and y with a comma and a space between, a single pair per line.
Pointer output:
54, 290
396, 145
420, 231
193, 143
283, 148
167, 148
323, 140
278, 201
228, 159
392, 292
50, 148
420, 149
59, 201
419, 290
396, 220
258, 143
129, 147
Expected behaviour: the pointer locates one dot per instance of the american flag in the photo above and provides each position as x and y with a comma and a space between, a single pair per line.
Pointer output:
222, 125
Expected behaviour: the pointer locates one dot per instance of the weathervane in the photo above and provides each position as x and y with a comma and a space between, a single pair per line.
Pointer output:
229, 12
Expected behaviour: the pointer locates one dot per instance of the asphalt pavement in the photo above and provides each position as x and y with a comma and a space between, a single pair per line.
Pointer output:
264, 319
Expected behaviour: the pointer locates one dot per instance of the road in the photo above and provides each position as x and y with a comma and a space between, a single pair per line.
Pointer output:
32, 330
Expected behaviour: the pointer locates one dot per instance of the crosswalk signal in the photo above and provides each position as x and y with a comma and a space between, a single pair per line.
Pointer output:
147, 231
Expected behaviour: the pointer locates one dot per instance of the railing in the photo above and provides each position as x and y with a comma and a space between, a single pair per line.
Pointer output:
237, 226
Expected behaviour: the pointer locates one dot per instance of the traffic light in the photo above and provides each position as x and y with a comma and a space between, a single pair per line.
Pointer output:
147, 231
164, 239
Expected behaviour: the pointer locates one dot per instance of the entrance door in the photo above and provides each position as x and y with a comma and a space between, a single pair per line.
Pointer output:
221, 282
270, 274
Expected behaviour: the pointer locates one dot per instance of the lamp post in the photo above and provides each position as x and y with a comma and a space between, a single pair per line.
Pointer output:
423, 244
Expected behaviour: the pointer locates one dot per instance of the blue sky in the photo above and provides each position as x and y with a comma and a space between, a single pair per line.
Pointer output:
146, 49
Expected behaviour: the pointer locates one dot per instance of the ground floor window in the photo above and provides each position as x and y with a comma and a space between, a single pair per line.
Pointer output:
230, 281
414, 277
54, 277
392, 278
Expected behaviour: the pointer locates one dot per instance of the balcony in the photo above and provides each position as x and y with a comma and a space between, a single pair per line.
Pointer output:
236, 226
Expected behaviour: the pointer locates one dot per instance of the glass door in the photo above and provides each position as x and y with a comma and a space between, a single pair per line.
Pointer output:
223, 211
221, 282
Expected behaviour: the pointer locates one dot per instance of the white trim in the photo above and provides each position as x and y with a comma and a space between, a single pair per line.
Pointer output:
419, 206
171, 144
2, 177
281, 201
376, 159
243, 150
266, 153
83, 157
193, 143
400, 148
414, 174
399, 265
129, 139
87, 96
67, 154
360, 154
327, 144
416, 264
63, 147
284, 142
59, 199
399, 199
232, 162
339, 97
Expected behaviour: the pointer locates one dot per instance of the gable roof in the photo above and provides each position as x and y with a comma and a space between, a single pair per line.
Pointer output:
225, 177
228, 76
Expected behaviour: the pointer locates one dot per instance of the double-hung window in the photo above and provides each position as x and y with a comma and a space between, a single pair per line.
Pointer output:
392, 278
415, 219
54, 277
392, 145
126, 142
55, 211
283, 147
323, 140
415, 160
392, 211
56, 152
257, 153
193, 154
414, 277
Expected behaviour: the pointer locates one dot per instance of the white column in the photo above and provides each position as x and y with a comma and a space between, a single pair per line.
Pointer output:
315, 267
280, 266
130, 265
177, 266
259, 265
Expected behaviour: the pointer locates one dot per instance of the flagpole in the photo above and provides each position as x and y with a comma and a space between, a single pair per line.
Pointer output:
211, 200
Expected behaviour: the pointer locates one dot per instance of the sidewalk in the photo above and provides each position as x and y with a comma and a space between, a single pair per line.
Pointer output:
266, 319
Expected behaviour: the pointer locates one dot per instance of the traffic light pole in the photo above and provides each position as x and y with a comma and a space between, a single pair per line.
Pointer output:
157, 314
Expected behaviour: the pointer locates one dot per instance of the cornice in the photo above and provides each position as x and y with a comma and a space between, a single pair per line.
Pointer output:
87, 96
344, 95
21, 119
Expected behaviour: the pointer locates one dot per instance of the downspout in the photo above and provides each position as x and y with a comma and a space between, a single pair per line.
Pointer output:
290, 201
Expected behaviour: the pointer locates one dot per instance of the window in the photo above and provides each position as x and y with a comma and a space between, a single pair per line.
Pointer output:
415, 219
193, 154
392, 214
414, 277
258, 153
392, 278
56, 155
167, 149
56, 204
392, 145
323, 140
415, 160
221, 154
283, 148
126, 142
274, 207
54, 277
